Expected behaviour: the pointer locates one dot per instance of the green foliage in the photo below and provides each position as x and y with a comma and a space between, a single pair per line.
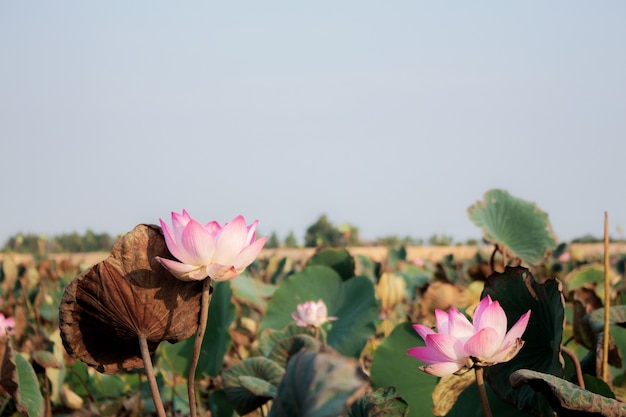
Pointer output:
217, 339
67, 242
381, 402
317, 384
516, 226
338, 259
251, 383
352, 301
28, 396
566, 398
440, 240
517, 292
468, 405
391, 366
290, 240
272, 241
323, 233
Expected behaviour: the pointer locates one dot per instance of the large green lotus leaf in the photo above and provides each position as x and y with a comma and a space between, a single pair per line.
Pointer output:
516, 224
243, 381
317, 384
393, 367
220, 405
468, 404
379, 403
352, 302
289, 346
617, 319
270, 338
28, 397
252, 291
338, 259
176, 395
367, 267
217, 339
517, 292
566, 398
617, 315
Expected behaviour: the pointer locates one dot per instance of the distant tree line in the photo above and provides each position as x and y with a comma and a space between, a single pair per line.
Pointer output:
90, 241
322, 233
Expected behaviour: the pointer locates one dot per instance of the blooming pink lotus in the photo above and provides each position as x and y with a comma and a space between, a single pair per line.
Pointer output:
459, 345
210, 250
6, 325
312, 313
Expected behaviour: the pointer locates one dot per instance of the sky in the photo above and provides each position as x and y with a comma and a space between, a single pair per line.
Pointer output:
392, 116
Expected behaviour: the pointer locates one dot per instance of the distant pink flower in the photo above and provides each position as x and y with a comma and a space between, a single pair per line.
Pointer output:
6, 325
210, 250
564, 257
419, 262
312, 313
459, 344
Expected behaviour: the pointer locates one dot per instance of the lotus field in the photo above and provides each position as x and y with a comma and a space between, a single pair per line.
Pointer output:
188, 318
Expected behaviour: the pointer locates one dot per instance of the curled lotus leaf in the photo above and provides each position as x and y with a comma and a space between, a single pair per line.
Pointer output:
105, 309
568, 399
517, 291
515, 224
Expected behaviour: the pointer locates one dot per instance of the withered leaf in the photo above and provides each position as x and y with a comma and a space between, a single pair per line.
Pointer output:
106, 309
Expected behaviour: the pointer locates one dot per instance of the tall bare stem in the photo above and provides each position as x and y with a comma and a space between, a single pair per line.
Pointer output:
607, 302
154, 388
482, 392
197, 346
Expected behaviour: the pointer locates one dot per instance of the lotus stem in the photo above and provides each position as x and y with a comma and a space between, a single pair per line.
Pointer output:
574, 358
154, 388
607, 302
197, 346
482, 392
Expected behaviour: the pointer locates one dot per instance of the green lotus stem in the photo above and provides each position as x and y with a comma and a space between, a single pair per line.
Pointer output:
197, 346
154, 388
482, 392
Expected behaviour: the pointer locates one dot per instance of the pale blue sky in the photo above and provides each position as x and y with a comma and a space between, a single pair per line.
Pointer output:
394, 116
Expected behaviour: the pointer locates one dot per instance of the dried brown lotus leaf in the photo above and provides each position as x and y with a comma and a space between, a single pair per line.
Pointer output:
448, 390
108, 307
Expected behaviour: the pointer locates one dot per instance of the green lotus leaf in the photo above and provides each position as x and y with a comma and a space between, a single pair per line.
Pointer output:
517, 292
28, 396
46, 359
219, 404
381, 402
468, 404
338, 259
242, 393
270, 338
519, 226
566, 398
252, 291
258, 386
391, 366
595, 321
591, 274
351, 301
318, 384
216, 342
617, 315
288, 347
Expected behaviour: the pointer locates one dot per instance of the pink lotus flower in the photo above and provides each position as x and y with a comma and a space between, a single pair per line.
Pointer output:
210, 250
312, 313
459, 345
6, 325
